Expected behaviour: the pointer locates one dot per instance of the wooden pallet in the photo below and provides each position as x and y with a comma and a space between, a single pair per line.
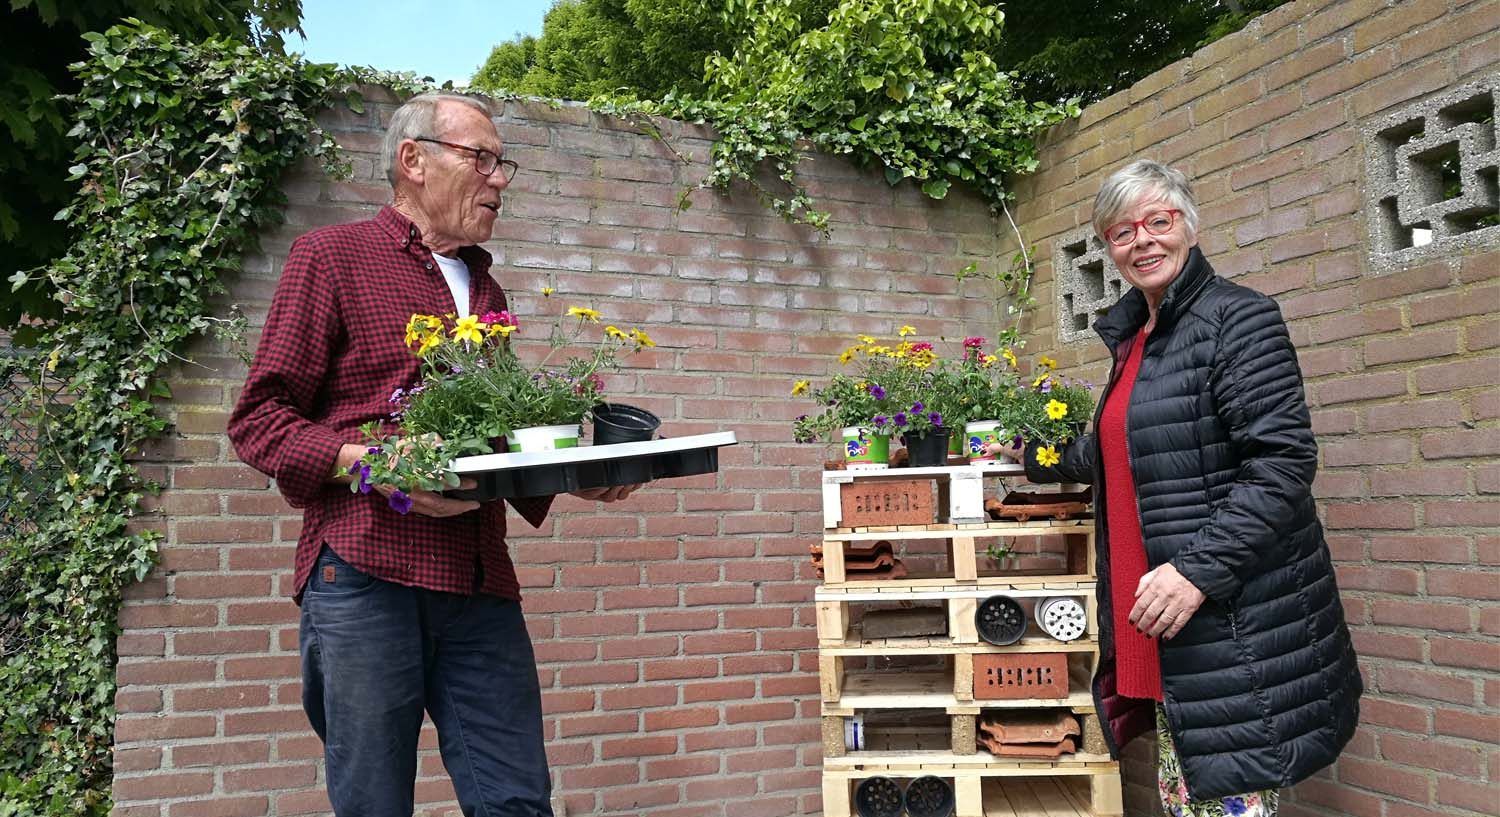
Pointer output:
908, 738
836, 626
950, 690
962, 544
1040, 792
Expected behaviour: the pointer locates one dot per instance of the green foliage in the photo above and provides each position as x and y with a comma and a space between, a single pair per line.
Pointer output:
590, 47
39, 39
906, 86
180, 150
1090, 49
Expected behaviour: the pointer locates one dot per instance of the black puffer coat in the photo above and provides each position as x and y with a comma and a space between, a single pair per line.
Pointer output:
1261, 687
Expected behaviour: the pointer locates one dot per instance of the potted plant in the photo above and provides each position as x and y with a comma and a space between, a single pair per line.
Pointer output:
855, 410
475, 390
1053, 411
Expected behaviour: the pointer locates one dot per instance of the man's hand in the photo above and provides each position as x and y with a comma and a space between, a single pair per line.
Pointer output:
428, 503
1164, 601
613, 493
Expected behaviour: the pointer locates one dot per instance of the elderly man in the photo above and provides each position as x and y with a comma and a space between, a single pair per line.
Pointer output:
400, 614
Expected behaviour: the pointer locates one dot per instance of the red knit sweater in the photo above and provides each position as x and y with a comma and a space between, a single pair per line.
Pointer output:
1137, 665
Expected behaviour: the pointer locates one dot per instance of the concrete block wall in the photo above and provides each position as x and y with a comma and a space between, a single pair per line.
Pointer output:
674, 632
1272, 125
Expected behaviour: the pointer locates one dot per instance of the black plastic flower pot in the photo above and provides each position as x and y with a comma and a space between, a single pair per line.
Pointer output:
929, 797
929, 450
1000, 620
619, 423
877, 797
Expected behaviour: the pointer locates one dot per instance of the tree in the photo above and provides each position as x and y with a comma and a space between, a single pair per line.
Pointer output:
39, 39
1092, 48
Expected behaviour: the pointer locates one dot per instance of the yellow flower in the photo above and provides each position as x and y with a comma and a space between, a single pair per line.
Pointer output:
1047, 361
800, 387
1041, 378
468, 329
923, 359
848, 354
429, 343
906, 330
502, 330
584, 313
1010, 356
1056, 409
989, 360
547, 291
1047, 456
866, 339
879, 350
642, 340
614, 332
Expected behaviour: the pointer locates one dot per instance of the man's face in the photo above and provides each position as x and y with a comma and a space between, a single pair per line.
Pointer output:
459, 204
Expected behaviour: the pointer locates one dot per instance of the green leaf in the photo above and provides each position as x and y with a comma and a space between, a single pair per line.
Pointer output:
935, 188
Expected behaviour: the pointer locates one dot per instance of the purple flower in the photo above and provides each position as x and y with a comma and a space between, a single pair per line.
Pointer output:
396, 395
372, 450
879, 419
801, 417
400, 502
876, 390
1016, 441
900, 418
935, 418
1047, 386
916, 408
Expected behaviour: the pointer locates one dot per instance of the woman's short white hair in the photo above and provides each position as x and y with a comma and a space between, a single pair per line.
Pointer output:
1143, 180
416, 119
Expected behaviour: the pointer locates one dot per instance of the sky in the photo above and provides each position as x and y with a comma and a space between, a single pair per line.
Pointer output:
443, 39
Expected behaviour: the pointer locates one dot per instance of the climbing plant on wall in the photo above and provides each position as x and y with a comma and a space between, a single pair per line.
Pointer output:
180, 152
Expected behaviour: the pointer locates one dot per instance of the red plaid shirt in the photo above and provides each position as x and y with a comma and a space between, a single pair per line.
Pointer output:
331, 355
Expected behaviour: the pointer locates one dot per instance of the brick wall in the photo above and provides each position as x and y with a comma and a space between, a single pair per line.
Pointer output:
1400, 359
674, 632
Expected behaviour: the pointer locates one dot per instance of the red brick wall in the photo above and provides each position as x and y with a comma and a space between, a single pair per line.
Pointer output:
674, 632
1401, 367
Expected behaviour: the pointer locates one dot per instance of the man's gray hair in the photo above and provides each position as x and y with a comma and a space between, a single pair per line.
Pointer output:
416, 119
1145, 180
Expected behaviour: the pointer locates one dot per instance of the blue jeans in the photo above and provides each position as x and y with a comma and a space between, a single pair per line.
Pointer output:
376, 654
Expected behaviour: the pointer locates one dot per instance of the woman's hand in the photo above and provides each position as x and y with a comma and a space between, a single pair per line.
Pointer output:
1164, 601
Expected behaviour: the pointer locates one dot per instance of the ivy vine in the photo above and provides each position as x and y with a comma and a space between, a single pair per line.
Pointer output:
181, 148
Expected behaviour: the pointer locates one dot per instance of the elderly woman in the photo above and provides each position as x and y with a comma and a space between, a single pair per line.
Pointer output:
1217, 602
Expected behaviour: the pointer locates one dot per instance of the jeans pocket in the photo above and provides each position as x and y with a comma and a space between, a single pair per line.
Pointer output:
332, 576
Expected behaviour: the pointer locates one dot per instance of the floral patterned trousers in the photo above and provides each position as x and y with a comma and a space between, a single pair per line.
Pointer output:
1174, 792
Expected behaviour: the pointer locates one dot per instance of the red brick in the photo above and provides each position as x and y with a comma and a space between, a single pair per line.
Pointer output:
1467, 794
1427, 615
1414, 548
1465, 584
1422, 683
1463, 513
1382, 777
1431, 754
1477, 443
1385, 515
1419, 482
1474, 654
1446, 306
1394, 714
1417, 346
1466, 724
1367, 451
1381, 579
1440, 413
1362, 387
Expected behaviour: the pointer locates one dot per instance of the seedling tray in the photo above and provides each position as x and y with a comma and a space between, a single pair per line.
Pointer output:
542, 473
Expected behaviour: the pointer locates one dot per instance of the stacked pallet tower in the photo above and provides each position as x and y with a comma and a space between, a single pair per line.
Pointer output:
1034, 691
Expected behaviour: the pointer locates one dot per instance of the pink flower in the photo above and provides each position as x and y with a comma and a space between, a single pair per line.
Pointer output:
921, 346
503, 318
973, 343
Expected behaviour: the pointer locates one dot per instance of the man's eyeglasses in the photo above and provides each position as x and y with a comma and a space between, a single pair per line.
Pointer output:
485, 162
1156, 222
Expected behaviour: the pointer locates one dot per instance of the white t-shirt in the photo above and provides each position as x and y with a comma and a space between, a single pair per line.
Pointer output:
456, 273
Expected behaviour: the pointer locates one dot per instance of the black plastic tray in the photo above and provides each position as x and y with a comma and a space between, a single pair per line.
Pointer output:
505, 476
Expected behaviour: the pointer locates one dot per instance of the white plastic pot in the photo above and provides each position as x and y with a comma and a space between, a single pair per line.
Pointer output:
1062, 617
542, 438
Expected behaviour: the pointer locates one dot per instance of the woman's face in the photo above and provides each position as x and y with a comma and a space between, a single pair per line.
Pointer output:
1150, 263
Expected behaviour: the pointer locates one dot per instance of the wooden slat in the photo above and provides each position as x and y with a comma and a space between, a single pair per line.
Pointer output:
988, 530
948, 587
934, 690
983, 763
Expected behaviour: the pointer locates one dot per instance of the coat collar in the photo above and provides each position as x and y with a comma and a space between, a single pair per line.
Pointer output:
1129, 314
